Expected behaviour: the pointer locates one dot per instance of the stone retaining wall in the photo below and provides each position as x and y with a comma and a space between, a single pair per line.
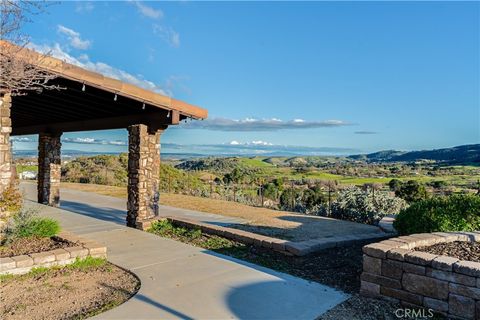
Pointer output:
300, 248
58, 257
393, 271
5, 152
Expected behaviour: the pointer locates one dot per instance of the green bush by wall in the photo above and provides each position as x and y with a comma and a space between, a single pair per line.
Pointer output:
453, 213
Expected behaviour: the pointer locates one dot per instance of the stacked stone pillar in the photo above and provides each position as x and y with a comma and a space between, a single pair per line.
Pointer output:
143, 173
49, 168
6, 175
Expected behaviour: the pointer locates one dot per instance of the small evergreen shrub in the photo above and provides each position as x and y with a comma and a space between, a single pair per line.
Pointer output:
363, 206
26, 224
453, 213
10, 200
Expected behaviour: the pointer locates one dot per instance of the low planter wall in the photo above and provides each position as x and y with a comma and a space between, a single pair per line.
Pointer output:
300, 248
393, 271
58, 257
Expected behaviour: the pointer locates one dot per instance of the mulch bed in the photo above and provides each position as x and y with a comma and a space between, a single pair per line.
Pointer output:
336, 267
66, 293
34, 245
463, 250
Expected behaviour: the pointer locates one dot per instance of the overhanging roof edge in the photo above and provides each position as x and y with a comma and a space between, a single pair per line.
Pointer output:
72, 72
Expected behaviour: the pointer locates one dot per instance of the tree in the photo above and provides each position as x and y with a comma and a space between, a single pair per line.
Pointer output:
19, 71
395, 185
269, 190
412, 191
288, 199
313, 197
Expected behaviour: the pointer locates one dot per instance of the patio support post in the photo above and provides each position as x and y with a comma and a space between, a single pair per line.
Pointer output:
6, 175
49, 168
143, 173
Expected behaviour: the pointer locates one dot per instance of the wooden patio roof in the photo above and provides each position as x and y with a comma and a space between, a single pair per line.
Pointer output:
91, 101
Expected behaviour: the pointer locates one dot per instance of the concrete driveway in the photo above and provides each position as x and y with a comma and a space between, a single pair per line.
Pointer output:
181, 281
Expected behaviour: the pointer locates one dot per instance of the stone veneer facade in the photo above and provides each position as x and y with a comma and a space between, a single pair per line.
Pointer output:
49, 168
5, 152
143, 174
393, 271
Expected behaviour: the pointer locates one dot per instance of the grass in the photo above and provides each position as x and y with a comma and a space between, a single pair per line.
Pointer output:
196, 237
22, 168
84, 264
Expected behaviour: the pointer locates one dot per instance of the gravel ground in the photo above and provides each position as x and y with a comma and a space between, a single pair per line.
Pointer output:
462, 250
361, 308
81, 293
33, 245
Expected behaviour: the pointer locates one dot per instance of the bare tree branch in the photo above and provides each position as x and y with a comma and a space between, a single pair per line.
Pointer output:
19, 71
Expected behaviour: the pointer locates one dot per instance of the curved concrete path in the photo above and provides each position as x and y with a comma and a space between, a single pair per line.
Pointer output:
184, 282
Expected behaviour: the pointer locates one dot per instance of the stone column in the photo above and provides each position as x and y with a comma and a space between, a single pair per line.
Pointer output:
5, 149
49, 168
143, 173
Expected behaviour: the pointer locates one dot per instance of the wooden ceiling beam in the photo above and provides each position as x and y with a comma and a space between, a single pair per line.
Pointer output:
153, 120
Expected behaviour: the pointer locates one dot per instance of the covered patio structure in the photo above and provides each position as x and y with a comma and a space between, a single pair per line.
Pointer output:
90, 101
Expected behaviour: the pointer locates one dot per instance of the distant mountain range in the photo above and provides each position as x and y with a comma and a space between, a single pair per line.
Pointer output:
467, 154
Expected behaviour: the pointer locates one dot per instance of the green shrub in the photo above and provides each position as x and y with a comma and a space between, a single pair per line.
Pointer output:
360, 205
26, 224
453, 213
11, 199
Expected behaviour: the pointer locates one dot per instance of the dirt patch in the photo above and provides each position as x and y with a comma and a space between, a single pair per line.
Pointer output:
81, 293
463, 250
34, 245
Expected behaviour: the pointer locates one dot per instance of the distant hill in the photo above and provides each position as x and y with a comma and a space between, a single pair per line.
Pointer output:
467, 154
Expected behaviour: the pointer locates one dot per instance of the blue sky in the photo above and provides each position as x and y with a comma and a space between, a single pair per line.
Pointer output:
362, 76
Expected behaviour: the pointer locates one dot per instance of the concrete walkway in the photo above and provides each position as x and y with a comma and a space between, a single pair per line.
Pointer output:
184, 282
114, 209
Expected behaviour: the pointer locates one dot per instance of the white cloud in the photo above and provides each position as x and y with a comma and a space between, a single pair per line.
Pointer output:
252, 124
84, 6
167, 34
366, 132
83, 61
80, 140
251, 143
74, 38
148, 11
22, 139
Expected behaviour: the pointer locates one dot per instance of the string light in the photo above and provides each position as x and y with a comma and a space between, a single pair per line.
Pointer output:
115, 97
143, 106
168, 114
83, 87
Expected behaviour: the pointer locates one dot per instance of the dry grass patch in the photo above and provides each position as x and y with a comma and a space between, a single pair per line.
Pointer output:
280, 224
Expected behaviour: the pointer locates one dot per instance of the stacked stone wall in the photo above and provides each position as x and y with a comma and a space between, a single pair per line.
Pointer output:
394, 271
143, 174
49, 168
6, 175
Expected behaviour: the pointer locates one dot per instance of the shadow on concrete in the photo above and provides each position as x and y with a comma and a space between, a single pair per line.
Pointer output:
282, 297
102, 213
145, 299
158, 305
310, 227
